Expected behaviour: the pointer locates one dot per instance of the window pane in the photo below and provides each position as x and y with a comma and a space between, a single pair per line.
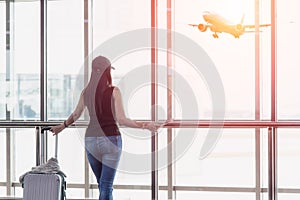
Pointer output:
130, 194
25, 61
135, 164
214, 195
2, 59
126, 194
2, 155
191, 98
114, 17
231, 162
289, 196
65, 56
132, 74
234, 58
265, 60
288, 158
18, 192
25, 150
264, 158
70, 153
163, 157
2, 96
3, 190
74, 193
287, 59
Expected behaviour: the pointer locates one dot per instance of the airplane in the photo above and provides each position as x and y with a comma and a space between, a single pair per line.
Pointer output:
218, 24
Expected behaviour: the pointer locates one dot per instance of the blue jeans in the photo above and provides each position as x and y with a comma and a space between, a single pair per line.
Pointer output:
104, 154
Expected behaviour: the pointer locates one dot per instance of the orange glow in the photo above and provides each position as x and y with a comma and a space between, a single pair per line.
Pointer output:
233, 10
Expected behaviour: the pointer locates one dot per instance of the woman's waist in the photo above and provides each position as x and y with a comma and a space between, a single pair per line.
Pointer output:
98, 131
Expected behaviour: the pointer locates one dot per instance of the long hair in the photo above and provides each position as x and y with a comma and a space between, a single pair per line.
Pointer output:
104, 82
93, 93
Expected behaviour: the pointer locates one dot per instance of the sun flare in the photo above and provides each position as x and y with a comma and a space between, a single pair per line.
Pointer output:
234, 10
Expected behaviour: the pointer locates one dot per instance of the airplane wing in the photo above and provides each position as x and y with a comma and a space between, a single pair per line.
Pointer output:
252, 31
201, 27
193, 25
253, 26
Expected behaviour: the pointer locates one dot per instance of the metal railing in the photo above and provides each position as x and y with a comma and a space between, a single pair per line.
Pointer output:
272, 152
172, 124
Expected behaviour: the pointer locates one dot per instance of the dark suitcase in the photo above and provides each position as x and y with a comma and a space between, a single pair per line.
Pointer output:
44, 186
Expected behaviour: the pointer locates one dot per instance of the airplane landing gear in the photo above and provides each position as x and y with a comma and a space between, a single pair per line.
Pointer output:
215, 35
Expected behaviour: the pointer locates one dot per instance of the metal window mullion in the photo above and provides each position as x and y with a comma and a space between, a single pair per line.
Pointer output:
272, 190
9, 139
38, 144
43, 61
9, 158
169, 99
273, 61
43, 72
86, 72
272, 163
258, 163
154, 138
257, 102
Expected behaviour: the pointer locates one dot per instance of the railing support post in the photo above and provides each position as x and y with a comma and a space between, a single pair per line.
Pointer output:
272, 164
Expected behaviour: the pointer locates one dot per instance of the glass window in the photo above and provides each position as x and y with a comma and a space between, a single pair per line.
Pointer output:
289, 196
163, 157
164, 195
2, 96
234, 58
288, 158
3, 155
230, 163
24, 67
65, 56
70, 153
111, 21
2, 59
192, 95
25, 150
181, 195
264, 158
2, 190
265, 60
129, 194
18, 192
132, 76
136, 149
111, 18
288, 59
74, 193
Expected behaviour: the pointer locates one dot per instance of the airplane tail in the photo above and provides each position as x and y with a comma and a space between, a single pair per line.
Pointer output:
242, 20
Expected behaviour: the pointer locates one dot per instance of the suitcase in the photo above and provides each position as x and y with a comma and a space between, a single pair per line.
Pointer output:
44, 186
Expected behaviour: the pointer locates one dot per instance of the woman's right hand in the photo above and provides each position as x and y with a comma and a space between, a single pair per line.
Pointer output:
152, 126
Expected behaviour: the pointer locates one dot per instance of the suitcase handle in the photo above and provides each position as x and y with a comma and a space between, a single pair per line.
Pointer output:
42, 130
45, 128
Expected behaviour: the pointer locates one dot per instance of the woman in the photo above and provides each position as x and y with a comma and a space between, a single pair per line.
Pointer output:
103, 140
